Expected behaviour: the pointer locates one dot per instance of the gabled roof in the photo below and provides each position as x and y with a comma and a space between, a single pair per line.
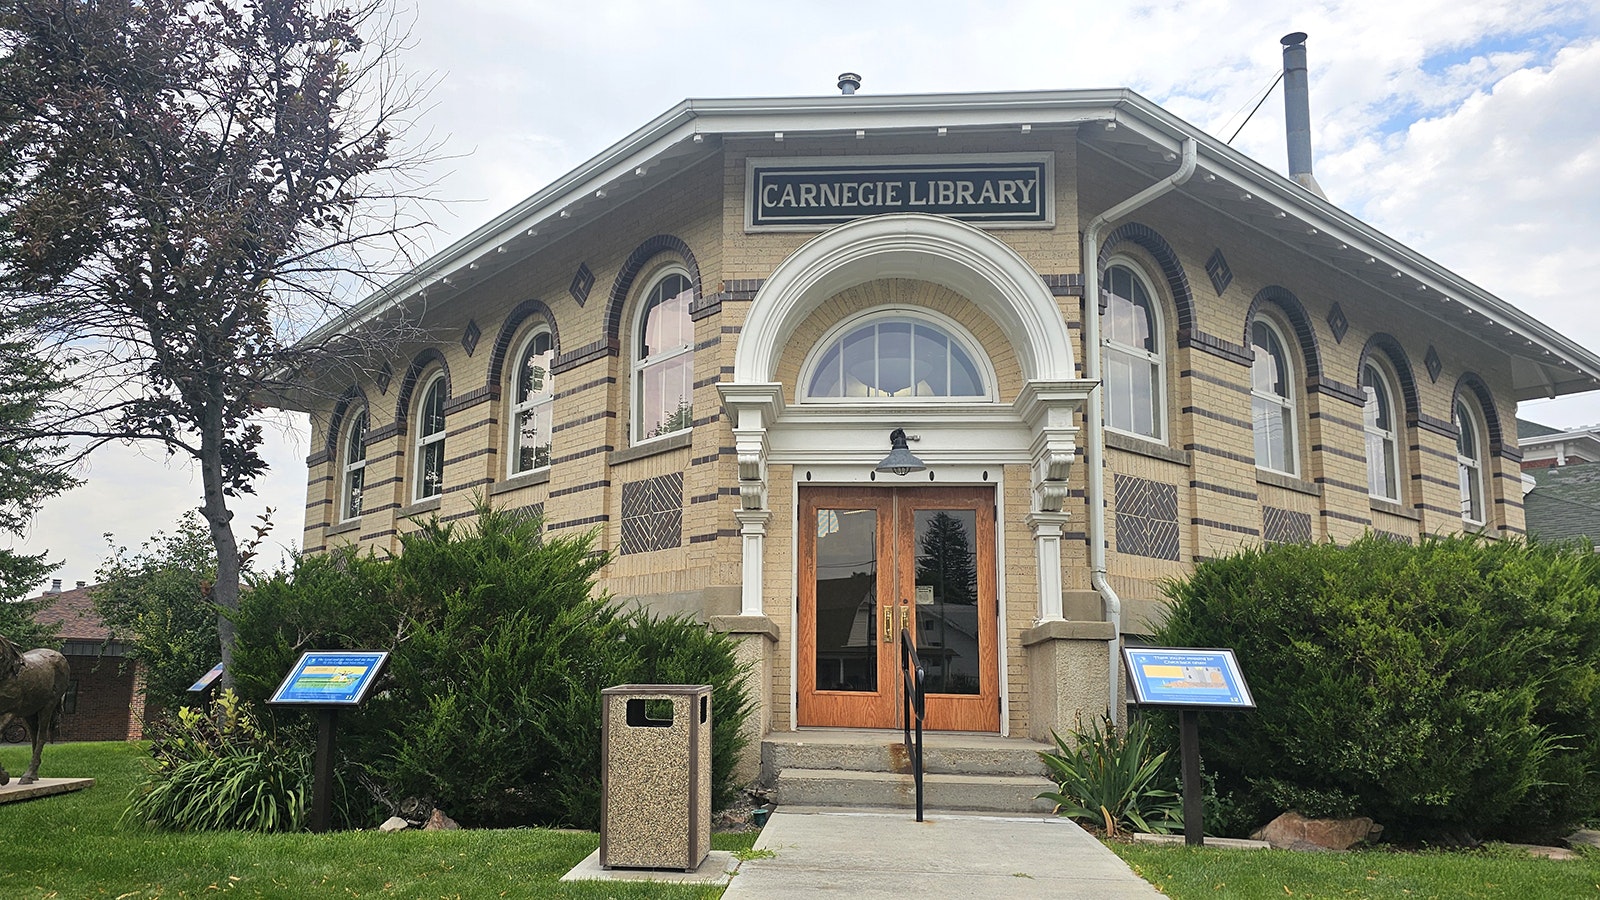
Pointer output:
1120, 126
74, 611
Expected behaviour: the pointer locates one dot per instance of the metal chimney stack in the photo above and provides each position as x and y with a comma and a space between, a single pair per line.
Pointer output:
849, 83
1297, 111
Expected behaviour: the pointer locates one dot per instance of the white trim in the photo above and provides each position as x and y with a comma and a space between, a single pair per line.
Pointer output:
347, 467
1389, 440
953, 329
1471, 466
1287, 402
515, 408
1157, 360
639, 364
424, 440
970, 262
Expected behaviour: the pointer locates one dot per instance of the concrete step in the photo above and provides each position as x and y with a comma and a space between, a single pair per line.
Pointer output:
943, 753
840, 787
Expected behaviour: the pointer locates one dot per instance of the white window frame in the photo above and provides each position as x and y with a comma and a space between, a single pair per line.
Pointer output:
952, 330
1285, 403
427, 440
642, 364
1379, 386
1138, 356
352, 469
1469, 463
539, 404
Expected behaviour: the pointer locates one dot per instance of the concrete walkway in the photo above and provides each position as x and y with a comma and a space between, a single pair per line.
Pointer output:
877, 853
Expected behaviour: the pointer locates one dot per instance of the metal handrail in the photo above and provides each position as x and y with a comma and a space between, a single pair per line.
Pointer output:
915, 680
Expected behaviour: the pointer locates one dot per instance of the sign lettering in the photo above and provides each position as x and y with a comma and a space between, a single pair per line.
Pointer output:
806, 194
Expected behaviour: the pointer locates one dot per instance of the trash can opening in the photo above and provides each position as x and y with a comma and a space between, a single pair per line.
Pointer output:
645, 713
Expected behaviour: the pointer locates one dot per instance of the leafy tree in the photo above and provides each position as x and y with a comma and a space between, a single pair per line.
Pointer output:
31, 470
182, 183
158, 599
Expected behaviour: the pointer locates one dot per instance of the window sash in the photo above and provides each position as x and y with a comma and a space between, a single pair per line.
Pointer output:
355, 469
531, 414
429, 481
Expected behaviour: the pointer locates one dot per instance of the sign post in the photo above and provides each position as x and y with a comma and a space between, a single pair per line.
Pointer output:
327, 681
1190, 679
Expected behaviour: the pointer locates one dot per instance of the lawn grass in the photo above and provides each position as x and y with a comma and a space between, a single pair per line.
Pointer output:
74, 846
1185, 874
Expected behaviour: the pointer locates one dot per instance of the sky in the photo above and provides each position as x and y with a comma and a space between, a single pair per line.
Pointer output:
1467, 131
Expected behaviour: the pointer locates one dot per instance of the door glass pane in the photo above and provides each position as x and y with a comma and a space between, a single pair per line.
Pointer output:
847, 600
947, 599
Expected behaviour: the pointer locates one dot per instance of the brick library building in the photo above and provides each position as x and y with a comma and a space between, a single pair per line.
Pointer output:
984, 368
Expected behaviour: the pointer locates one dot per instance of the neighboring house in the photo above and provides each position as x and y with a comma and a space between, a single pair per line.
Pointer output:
1545, 447
1562, 491
1118, 346
104, 701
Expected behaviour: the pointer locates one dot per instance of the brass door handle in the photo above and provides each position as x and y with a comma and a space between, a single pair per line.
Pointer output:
888, 624
905, 617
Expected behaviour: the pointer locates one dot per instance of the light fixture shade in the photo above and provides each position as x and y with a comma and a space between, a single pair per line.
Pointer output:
900, 461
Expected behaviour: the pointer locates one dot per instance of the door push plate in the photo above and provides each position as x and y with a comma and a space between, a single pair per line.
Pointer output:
888, 624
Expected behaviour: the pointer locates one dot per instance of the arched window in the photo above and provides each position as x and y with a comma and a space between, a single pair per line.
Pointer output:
663, 368
1383, 445
895, 356
1272, 399
1469, 462
429, 478
353, 468
1133, 358
532, 399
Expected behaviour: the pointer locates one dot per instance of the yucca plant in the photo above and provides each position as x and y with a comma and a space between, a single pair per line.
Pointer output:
1113, 780
217, 769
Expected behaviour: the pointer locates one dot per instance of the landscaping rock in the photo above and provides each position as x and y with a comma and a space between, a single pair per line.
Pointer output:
1587, 837
394, 823
1292, 831
440, 822
1546, 852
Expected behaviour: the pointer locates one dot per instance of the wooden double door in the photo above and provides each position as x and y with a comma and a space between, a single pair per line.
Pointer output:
876, 560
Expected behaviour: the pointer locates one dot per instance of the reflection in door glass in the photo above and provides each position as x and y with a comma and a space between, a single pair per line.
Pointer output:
847, 605
947, 599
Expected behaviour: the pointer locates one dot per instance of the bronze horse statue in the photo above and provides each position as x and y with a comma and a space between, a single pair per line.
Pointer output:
32, 685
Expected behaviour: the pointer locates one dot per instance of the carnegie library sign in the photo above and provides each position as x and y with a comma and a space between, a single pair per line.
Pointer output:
806, 194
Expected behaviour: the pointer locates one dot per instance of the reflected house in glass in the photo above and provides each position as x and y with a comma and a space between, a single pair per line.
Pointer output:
1114, 344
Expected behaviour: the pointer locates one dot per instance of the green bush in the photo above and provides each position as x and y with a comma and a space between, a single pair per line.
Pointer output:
1446, 689
1114, 780
217, 770
490, 708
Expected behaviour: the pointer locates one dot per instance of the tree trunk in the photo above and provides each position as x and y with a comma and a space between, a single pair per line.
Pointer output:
225, 591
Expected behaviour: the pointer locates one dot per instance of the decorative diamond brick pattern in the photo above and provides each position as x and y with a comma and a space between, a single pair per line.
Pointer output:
469, 338
1285, 526
582, 283
1338, 322
1435, 366
1147, 518
531, 511
1217, 268
1392, 536
385, 375
652, 514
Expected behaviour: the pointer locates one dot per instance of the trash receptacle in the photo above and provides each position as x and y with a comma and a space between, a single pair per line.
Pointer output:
655, 773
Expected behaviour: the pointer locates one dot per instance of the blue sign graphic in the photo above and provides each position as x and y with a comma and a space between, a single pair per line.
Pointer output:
331, 678
207, 680
1186, 676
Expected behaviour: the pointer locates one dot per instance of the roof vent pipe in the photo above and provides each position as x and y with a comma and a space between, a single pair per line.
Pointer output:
1297, 111
55, 586
849, 83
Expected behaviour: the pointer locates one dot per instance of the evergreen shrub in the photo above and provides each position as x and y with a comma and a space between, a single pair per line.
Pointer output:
1446, 689
500, 644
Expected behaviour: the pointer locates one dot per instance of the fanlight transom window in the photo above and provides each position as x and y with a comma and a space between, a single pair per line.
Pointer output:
898, 357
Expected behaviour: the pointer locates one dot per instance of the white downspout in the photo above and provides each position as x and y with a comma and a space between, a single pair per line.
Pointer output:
1094, 416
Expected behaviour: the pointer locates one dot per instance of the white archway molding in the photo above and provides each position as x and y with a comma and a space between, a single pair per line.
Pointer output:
911, 245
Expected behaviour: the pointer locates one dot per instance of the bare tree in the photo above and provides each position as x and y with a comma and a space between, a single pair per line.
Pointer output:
185, 187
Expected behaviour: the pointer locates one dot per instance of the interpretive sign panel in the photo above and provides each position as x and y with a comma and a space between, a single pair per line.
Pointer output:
1186, 676
807, 194
331, 678
207, 680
